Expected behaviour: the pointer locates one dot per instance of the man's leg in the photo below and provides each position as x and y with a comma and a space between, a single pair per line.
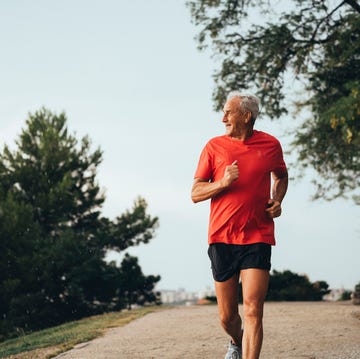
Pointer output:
227, 294
254, 286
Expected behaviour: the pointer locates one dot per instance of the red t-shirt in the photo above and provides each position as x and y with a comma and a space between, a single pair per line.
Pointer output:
237, 214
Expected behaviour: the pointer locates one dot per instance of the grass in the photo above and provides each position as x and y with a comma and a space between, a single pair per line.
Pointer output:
49, 342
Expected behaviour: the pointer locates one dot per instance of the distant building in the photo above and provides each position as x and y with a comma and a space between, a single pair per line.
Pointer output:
207, 292
182, 297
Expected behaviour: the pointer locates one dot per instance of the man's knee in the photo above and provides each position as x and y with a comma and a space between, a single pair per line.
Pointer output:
228, 320
253, 310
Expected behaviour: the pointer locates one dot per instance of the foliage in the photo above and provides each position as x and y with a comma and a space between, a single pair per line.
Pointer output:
53, 238
289, 286
312, 45
134, 286
356, 294
211, 298
346, 295
357, 288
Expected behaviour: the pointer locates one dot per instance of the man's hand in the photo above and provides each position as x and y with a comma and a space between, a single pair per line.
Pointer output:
202, 189
273, 209
231, 174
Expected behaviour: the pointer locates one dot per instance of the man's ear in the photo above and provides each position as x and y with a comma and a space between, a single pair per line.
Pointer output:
248, 117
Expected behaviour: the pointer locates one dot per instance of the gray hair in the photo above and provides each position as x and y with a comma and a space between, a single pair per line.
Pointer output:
248, 102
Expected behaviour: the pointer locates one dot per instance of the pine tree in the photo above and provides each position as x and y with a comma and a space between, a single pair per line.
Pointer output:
53, 237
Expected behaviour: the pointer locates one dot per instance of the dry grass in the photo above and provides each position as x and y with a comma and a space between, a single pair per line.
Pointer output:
50, 342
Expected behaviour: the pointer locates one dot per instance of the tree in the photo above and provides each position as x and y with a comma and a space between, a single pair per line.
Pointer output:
313, 44
346, 295
289, 286
53, 237
135, 288
53, 173
356, 294
18, 234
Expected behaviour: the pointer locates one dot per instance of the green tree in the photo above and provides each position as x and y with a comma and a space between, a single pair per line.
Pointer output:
346, 295
54, 173
53, 237
315, 45
135, 288
290, 286
18, 235
356, 294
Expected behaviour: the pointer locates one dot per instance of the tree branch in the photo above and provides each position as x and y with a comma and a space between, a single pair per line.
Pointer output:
354, 4
324, 19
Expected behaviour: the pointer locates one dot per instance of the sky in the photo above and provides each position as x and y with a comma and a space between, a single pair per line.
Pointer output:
128, 74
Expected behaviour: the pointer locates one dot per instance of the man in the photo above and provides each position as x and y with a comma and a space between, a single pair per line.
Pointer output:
235, 172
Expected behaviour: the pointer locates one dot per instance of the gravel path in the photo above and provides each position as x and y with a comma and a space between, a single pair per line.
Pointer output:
296, 330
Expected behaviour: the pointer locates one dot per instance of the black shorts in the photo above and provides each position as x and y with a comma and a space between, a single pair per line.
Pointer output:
228, 259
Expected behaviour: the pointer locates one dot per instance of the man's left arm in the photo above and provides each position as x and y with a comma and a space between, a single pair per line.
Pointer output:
278, 191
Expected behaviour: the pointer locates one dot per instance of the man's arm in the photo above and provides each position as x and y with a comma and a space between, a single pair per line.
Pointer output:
279, 188
203, 189
278, 191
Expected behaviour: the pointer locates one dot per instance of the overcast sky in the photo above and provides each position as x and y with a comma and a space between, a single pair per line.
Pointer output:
128, 74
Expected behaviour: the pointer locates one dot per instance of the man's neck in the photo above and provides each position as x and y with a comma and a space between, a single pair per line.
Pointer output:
246, 134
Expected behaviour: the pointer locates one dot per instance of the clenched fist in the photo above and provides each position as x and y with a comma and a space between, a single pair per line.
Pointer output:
231, 174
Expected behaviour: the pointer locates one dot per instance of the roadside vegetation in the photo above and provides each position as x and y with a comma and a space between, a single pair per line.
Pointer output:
54, 238
47, 343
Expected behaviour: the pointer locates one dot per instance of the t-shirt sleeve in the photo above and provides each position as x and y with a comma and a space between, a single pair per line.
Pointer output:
204, 168
279, 167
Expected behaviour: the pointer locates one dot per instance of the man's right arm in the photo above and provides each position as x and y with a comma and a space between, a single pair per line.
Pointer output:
202, 189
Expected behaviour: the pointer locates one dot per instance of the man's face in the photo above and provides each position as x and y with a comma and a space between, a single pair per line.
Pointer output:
234, 119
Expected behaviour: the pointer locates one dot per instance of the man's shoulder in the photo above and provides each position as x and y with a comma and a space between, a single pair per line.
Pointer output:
217, 140
264, 136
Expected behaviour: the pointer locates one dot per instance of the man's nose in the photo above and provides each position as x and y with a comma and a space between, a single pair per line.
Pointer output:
224, 118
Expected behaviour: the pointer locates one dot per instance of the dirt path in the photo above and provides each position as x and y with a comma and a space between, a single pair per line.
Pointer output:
292, 331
